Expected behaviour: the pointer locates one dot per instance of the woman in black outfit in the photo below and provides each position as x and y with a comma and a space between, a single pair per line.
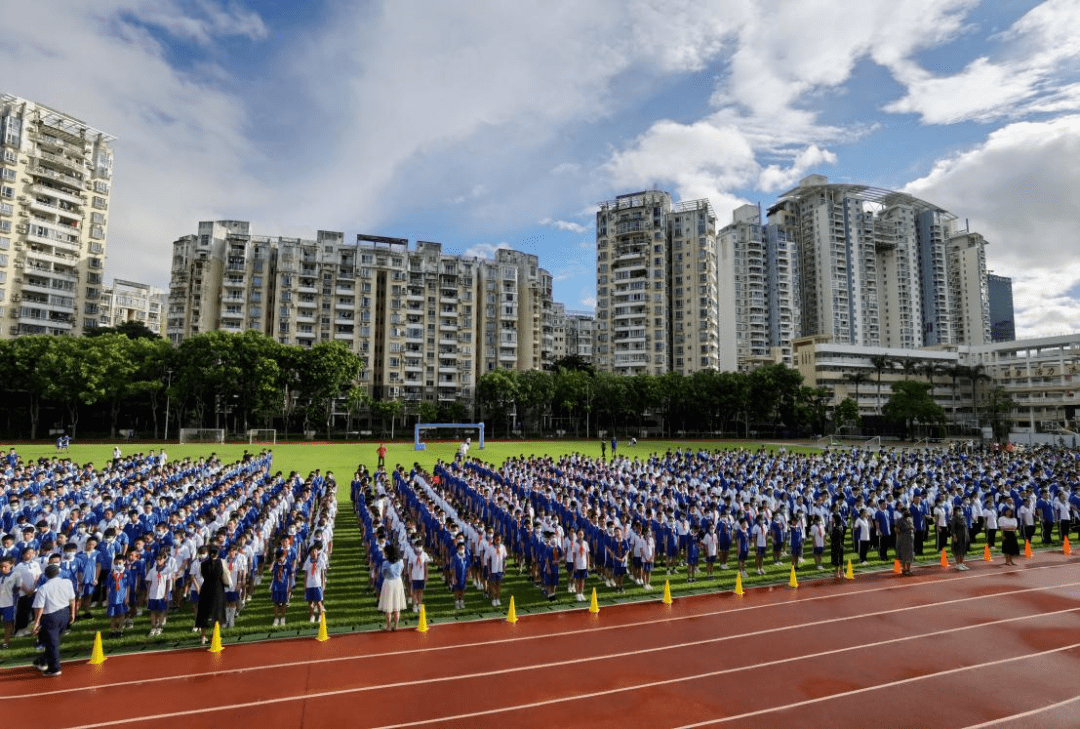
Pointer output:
836, 544
212, 593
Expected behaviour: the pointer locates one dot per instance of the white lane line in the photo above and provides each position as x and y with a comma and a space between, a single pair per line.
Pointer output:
515, 639
1024, 715
556, 664
878, 687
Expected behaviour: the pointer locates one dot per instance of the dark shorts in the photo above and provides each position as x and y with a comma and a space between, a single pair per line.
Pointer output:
117, 611
7, 614
279, 596
581, 574
313, 594
418, 584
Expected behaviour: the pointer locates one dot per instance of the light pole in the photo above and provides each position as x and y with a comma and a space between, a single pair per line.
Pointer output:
168, 386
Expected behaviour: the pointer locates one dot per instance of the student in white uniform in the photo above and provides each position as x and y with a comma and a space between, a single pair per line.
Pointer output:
495, 558
159, 579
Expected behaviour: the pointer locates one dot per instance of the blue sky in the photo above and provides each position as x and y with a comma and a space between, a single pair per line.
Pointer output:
484, 123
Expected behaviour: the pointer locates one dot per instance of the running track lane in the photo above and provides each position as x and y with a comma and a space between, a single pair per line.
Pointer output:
943, 649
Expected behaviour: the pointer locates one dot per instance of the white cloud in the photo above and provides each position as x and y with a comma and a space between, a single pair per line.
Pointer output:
774, 177
1021, 189
1025, 80
183, 152
587, 300
484, 250
566, 225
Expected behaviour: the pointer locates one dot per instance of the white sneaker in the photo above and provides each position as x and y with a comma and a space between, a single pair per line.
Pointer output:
723, 565
820, 567
312, 620
138, 612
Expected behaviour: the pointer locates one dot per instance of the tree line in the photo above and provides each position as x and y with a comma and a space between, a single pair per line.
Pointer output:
113, 381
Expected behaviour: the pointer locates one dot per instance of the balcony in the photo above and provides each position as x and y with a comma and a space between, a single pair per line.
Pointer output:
59, 194
56, 159
60, 177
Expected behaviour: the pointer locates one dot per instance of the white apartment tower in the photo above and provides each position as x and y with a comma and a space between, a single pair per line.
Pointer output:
758, 285
129, 301
656, 285
877, 268
426, 323
55, 179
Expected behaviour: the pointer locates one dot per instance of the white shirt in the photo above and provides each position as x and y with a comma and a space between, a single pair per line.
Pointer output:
157, 583
417, 565
581, 555
496, 558
7, 590
26, 576
56, 594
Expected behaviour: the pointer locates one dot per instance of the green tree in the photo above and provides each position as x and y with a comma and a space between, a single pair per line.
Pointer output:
428, 411
23, 374
327, 371
130, 329
384, 410
857, 379
536, 389
911, 403
497, 391
998, 407
847, 412
74, 370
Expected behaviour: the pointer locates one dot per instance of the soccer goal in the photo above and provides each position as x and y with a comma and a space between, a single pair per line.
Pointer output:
202, 435
467, 428
263, 435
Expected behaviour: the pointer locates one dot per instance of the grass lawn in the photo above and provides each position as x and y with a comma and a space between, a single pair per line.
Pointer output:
350, 605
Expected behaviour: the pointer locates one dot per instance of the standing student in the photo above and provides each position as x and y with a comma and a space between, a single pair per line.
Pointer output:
54, 612
418, 574
760, 535
990, 517
235, 566
495, 561
883, 520
692, 557
159, 579
614, 446
817, 535
117, 596
941, 523
742, 545
603, 449
7, 599
710, 541
862, 535
281, 575
315, 583
581, 565
27, 573
381, 452
459, 574
648, 557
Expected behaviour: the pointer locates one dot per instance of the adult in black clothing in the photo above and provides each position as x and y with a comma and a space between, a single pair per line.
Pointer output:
836, 544
212, 593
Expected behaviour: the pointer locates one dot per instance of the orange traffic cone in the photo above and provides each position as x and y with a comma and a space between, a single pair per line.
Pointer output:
944, 559
897, 567
986, 553
1027, 548
1066, 547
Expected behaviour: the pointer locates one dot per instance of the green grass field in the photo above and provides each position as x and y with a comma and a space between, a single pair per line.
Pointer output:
350, 604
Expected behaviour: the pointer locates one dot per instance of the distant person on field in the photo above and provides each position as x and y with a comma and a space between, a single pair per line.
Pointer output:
603, 449
381, 450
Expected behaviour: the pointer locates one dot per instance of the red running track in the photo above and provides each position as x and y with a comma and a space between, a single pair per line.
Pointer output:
994, 646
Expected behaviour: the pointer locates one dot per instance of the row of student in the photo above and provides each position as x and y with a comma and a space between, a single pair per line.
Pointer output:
566, 497
114, 574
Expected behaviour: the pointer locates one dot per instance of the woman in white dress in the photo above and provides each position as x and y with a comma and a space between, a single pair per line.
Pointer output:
392, 597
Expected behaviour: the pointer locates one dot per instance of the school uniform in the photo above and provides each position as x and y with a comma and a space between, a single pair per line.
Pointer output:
280, 582
158, 584
118, 589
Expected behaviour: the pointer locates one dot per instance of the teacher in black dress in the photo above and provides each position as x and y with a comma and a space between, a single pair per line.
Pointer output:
212, 593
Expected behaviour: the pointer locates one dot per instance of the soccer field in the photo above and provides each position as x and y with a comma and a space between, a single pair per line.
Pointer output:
350, 604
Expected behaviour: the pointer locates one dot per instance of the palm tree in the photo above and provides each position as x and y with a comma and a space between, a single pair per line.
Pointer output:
955, 372
909, 366
976, 373
856, 379
880, 363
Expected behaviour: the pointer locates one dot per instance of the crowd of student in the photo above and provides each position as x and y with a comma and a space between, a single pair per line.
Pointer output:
698, 511
134, 536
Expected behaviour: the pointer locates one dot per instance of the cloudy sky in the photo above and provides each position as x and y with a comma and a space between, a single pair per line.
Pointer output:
485, 123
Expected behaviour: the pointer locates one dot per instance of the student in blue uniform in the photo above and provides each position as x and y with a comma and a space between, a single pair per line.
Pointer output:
693, 551
281, 572
117, 593
459, 574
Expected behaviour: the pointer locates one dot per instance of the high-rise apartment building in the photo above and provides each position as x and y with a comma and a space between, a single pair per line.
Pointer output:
656, 285
55, 180
879, 268
580, 333
758, 290
1002, 317
426, 323
128, 301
